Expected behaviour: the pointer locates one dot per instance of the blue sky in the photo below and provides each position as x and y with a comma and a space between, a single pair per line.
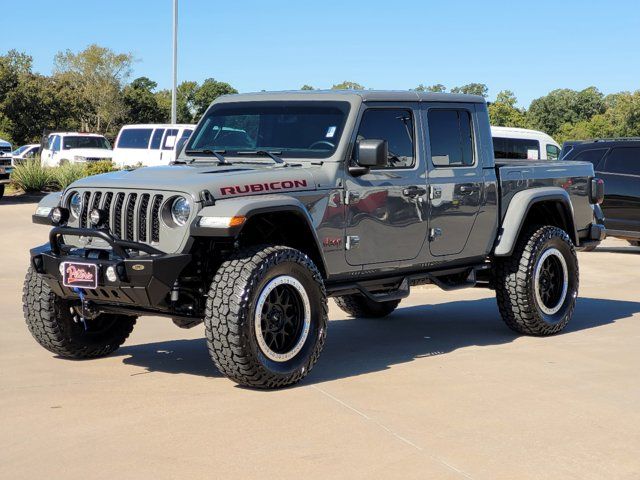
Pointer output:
530, 47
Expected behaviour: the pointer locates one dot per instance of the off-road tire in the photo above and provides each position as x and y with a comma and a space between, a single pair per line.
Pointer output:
187, 322
360, 306
515, 282
230, 316
52, 324
633, 243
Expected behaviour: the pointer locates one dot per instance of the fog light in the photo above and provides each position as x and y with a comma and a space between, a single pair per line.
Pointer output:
61, 269
59, 215
112, 276
97, 217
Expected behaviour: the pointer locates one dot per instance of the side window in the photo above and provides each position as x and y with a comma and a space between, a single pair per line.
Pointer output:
623, 160
157, 138
451, 138
396, 127
553, 152
55, 145
134, 138
516, 148
170, 139
592, 156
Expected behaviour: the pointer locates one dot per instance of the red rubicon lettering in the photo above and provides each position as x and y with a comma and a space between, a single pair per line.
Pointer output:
263, 187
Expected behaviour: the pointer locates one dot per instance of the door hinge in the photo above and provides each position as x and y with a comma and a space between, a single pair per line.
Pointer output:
353, 241
434, 192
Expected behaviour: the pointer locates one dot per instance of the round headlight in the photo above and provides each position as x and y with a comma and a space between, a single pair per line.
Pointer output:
180, 211
75, 204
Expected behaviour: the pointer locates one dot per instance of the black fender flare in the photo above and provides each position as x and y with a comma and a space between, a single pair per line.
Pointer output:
519, 208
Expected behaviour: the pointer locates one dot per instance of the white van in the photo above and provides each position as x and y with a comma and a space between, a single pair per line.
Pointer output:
150, 144
523, 144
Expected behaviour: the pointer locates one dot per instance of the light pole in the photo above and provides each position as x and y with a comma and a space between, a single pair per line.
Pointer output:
174, 90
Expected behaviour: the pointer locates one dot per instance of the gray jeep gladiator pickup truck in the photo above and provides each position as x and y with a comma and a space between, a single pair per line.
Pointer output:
280, 200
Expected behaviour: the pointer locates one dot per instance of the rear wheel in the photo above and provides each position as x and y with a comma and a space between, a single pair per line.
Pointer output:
537, 287
55, 326
358, 305
266, 316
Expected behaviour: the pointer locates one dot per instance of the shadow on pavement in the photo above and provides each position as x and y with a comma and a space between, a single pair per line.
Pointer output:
21, 199
359, 346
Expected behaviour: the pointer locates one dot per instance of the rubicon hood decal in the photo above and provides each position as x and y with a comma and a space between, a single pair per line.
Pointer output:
263, 187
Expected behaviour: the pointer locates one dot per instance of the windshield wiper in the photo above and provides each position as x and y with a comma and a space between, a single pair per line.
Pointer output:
273, 155
206, 151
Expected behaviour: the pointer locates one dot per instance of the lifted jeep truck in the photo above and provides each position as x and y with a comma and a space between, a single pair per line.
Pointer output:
280, 200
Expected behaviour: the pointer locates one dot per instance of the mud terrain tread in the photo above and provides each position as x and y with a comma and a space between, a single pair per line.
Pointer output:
513, 295
45, 318
360, 307
227, 308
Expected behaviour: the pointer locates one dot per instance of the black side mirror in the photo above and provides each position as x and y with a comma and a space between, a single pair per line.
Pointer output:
370, 153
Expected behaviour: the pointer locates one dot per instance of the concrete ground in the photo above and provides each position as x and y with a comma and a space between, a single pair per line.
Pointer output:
441, 389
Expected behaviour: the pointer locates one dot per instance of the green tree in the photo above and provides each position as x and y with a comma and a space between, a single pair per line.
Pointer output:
438, 88
98, 74
207, 93
561, 106
504, 113
347, 85
306, 87
472, 89
140, 102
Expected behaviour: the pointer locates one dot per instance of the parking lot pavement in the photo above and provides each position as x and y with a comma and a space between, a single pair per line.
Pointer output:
440, 389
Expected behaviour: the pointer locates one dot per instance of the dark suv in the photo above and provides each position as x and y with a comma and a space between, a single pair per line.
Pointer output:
617, 161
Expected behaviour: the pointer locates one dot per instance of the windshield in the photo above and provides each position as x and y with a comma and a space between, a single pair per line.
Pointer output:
69, 143
292, 129
19, 150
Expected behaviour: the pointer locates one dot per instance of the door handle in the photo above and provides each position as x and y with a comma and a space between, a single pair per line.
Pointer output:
469, 188
414, 191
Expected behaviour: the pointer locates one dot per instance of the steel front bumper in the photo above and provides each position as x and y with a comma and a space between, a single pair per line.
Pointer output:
145, 276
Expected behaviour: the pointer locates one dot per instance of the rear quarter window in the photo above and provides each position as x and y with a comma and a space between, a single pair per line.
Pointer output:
592, 156
516, 148
134, 138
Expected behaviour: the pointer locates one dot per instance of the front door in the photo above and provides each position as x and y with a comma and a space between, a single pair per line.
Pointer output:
386, 208
455, 175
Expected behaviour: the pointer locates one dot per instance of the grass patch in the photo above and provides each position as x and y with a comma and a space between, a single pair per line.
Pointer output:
31, 176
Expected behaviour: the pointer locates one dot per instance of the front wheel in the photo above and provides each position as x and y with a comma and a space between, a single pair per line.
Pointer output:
55, 326
266, 316
537, 287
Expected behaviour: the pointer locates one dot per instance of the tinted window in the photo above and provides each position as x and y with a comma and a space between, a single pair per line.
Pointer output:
157, 138
451, 138
516, 148
170, 139
394, 126
134, 138
553, 152
623, 160
295, 129
592, 156
69, 143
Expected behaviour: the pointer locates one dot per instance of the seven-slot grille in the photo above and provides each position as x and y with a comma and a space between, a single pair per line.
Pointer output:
130, 216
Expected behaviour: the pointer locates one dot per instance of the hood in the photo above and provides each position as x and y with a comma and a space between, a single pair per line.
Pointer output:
228, 181
91, 152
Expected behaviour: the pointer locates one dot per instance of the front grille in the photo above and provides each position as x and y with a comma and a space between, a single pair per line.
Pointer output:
130, 216
5, 162
97, 159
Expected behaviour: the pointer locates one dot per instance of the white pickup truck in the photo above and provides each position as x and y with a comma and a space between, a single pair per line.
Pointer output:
74, 147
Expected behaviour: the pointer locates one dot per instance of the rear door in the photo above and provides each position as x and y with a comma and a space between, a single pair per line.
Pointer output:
455, 175
386, 216
167, 153
154, 154
620, 170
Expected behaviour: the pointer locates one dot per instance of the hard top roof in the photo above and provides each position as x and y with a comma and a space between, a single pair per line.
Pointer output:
364, 95
604, 142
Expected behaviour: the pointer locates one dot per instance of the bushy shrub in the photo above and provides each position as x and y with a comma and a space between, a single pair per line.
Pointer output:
103, 166
31, 176
66, 174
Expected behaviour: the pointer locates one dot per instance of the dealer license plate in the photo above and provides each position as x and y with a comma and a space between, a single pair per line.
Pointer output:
80, 275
